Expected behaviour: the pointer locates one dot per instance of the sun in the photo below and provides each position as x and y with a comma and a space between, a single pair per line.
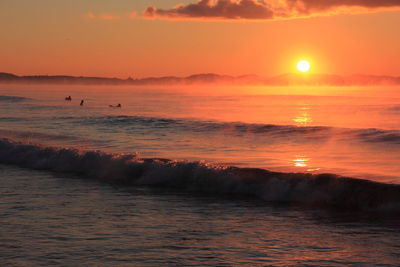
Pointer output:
303, 66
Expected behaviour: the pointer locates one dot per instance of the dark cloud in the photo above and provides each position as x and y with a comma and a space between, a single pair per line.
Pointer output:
310, 6
261, 9
323, 4
230, 9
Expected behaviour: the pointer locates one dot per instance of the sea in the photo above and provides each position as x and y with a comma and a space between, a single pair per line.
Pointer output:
199, 175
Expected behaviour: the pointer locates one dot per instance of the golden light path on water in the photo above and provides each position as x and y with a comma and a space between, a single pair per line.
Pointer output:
302, 119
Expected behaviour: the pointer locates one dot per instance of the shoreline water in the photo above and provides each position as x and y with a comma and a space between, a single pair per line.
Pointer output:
61, 219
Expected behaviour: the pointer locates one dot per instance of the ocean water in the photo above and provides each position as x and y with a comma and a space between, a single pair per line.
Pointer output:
213, 176
355, 132
78, 222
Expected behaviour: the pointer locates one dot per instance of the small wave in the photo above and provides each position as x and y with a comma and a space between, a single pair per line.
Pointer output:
46, 108
36, 135
12, 119
325, 190
234, 128
32, 137
278, 132
12, 99
395, 109
378, 136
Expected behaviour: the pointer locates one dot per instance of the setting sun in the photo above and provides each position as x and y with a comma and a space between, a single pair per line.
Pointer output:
303, 66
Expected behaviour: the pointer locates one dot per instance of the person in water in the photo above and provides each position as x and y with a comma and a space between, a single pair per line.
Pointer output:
81, 102
68, 98
117, 106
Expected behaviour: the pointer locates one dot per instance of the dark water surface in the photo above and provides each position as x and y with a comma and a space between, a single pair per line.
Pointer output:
55, 219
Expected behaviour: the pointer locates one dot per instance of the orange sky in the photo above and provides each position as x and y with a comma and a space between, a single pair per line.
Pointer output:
112, 38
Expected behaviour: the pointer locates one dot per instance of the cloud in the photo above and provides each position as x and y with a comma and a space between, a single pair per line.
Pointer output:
133, 14
311, 6
261, 9
320, 4
89, 15
244, 9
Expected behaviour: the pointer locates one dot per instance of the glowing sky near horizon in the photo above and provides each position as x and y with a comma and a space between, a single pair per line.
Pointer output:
103, 38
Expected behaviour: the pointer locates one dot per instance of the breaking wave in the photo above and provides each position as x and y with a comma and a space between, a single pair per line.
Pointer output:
12, 99
326, 190
394, 109
368, 135
31, 135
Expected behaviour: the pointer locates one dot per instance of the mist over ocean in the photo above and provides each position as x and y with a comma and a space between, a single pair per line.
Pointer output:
199, 176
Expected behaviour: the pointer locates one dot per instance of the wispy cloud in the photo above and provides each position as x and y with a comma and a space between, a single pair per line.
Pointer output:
133, 15
89, 15
264, 9
321, 4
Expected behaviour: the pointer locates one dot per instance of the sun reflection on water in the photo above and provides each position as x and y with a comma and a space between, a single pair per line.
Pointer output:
303, 117
304, 163
301, 161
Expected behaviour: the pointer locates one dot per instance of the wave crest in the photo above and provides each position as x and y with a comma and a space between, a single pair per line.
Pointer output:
12, 99
128, 169
311, 133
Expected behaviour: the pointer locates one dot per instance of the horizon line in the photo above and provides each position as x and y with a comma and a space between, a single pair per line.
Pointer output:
197, 74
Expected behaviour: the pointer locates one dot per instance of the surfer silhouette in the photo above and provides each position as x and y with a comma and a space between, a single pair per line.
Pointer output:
117, 106
81, 102
68, 98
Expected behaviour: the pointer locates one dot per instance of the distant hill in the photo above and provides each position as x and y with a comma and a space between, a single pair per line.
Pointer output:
58, 79
206, 78
211, 78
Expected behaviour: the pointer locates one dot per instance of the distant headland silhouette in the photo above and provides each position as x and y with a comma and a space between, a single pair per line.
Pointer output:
211, 78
